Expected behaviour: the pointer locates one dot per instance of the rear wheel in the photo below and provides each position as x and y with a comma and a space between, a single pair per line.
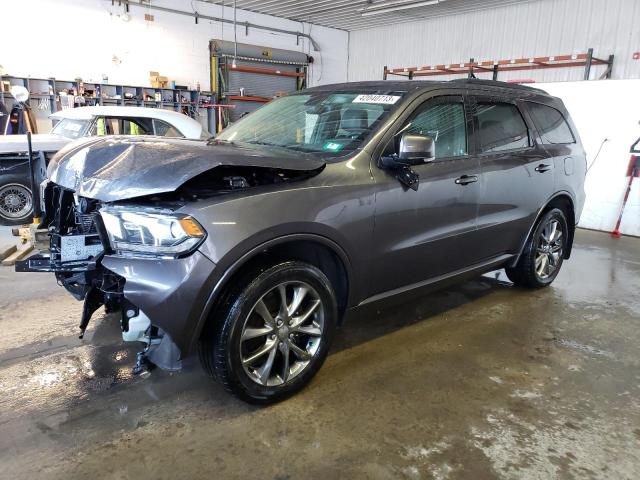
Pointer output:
543, 254
272, 334
16, 201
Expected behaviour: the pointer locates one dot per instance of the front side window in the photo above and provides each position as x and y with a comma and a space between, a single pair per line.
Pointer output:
106, 126
551, 124
501, 127
326, 124
444, 122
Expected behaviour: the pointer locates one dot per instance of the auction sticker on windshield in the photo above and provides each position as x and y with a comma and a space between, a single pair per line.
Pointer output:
373, 98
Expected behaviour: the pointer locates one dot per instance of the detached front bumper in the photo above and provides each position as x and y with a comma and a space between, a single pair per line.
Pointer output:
172, 293
162, 300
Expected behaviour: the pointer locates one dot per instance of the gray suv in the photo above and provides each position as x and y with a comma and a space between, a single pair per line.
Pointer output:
251, 247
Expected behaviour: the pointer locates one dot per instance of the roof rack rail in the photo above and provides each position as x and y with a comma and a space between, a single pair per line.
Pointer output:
494, 83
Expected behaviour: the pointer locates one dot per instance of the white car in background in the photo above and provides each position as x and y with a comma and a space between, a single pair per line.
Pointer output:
16, 204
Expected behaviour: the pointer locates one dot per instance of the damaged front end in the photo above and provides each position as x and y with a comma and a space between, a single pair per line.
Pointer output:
77, 244
115, 235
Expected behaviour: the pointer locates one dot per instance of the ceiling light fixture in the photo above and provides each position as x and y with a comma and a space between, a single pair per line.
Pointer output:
388, 7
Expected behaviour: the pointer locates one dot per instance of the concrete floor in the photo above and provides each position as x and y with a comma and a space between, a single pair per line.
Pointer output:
478, 381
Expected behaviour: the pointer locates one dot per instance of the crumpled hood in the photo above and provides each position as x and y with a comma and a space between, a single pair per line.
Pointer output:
40, 142
123, 167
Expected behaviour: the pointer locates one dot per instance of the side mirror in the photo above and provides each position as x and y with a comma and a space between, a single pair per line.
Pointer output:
416, 149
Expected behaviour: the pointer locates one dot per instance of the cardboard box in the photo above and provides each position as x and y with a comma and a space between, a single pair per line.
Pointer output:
158, 81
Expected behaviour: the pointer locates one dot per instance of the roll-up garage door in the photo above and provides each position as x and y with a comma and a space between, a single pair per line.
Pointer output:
248, 76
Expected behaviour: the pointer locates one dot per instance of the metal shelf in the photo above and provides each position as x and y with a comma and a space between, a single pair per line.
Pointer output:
40, 84
470, 68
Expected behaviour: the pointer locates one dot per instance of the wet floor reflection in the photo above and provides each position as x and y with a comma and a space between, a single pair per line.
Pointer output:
65, 393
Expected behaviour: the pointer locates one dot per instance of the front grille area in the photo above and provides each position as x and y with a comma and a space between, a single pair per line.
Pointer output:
72, 226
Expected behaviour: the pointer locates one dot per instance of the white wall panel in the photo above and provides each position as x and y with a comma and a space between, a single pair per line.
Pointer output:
78, 38
606, 110
535, 28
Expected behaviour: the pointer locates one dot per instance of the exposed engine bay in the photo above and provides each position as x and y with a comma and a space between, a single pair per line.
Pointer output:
74, 240
225, 179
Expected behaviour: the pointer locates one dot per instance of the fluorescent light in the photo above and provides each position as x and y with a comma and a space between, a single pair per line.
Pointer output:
395, 6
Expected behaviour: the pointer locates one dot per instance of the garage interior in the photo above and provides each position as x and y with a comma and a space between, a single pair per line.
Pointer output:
478, 380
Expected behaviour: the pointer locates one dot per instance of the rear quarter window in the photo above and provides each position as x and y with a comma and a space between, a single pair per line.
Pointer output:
551, 124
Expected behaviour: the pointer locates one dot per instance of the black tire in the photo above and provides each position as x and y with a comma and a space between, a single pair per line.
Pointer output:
527, 272
221, 347
15, 208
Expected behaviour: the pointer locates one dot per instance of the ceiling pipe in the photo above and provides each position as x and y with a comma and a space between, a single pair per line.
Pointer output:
295, 33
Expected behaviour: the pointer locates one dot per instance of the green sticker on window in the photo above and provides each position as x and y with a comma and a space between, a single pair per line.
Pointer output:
332, 146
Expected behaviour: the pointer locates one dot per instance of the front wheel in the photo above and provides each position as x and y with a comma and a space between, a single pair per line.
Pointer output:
543, 254
272, 333
16, 202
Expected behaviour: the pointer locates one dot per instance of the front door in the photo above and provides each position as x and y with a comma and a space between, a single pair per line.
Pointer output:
429, 232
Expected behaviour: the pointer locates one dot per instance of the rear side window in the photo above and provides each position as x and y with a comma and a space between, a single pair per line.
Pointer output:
501, 127
552, 125
163, 129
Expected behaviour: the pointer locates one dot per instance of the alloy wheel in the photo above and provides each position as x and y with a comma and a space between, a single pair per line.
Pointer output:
15, 201
282, 333
549, 249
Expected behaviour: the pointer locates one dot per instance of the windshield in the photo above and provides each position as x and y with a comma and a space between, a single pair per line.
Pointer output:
329, 124
71, 128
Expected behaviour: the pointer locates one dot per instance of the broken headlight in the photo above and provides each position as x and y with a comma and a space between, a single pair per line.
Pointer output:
151, 232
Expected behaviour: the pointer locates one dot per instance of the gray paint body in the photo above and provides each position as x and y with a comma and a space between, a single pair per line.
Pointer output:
389, 238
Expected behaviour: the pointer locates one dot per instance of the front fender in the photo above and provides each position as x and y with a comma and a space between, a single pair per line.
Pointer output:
235, 261
334, 208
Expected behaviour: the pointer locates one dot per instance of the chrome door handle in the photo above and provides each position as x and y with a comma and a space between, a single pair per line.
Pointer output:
466, 179
543, 167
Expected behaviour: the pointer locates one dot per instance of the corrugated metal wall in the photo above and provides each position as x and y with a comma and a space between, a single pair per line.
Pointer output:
536, 28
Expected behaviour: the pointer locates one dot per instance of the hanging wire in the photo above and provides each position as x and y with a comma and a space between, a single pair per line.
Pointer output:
222, 23
235, 35
320, 55
597, 154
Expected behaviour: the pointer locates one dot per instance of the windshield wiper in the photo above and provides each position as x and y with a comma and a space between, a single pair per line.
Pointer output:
298, 148
264, 143
216, 141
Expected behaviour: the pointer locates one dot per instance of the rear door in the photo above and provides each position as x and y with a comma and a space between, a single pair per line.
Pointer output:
561, 145
517, 176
